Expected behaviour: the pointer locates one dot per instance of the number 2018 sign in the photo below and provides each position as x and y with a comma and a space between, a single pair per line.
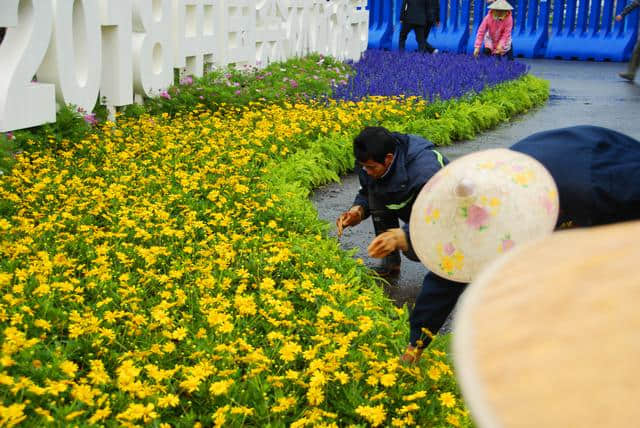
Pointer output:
79, 49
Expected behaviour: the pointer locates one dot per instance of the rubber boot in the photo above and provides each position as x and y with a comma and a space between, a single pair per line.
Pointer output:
630, 74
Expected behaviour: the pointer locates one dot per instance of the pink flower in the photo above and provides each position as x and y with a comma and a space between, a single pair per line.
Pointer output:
201, 97
238, 92
165, 94
507, 244
477, 217
449, 249
10, 136
293, 83
188, 80
90, 119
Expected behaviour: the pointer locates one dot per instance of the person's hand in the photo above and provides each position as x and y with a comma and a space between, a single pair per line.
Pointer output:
411, 355
349, 218
499, 50
388, 242
618, 18
476, 52
437, 23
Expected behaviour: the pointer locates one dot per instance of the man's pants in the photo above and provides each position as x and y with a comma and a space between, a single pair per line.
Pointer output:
419, 31
435, 302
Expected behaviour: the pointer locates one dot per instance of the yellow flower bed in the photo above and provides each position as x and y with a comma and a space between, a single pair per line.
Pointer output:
150, 275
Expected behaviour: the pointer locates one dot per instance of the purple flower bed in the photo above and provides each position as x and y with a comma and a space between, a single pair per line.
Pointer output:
442, 76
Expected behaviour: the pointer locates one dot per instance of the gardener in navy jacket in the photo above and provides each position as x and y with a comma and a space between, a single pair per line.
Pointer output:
392, 168
419, 16
597, 172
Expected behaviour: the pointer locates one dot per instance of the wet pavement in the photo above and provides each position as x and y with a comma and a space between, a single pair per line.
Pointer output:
582, 93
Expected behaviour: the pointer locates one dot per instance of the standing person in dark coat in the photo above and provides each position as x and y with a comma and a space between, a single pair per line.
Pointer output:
632, 68
419, 16
393, 167
597, 173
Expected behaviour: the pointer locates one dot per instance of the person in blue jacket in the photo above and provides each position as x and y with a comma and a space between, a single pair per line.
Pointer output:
392, 168
597, 172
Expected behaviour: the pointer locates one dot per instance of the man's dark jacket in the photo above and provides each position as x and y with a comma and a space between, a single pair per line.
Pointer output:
597, 171
420, 12
413, 165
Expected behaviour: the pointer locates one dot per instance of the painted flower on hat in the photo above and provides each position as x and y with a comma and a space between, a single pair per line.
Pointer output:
477, 217
431, 214
507, 243
451, 259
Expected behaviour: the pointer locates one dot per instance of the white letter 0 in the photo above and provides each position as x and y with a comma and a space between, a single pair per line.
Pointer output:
74, 59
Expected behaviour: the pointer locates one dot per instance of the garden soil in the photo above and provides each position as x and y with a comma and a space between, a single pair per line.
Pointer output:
582, 93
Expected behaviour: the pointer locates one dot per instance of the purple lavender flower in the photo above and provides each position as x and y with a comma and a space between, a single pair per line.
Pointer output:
441, 76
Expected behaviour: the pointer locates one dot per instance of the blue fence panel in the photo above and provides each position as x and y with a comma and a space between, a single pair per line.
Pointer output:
380, 21
593, 35
530, 28
453, 33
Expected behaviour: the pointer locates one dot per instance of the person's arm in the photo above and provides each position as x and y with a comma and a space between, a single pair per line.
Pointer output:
362, 197
480, 36
629, 8
505, 37
436, 10
409, 252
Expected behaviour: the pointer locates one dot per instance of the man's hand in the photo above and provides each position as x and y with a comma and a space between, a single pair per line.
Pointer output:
411, 355
349, 218
618, 18
476, 52
388, 242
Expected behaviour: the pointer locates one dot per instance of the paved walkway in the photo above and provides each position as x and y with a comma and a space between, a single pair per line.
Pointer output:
581, 93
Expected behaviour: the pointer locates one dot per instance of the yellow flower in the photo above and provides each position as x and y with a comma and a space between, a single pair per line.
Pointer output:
375, 415
221, 387
284, 404
388, 379
453, 420
447, 399
289, 351
169, 400
69, 368
434, 373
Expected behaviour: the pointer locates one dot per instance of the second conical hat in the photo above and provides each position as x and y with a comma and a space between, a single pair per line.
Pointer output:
549, 335
478, 207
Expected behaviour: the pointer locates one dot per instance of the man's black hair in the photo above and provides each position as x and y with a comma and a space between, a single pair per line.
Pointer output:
373, 143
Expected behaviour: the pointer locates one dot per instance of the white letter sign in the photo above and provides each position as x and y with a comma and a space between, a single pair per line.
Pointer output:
74, 59
24, 103
130, 49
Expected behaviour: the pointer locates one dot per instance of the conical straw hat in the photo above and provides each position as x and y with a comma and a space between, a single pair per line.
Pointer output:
500, 5
477, 208
549, 335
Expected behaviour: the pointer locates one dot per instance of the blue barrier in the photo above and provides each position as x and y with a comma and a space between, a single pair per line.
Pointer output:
593, 35
381, 21
530, 28
453, 32
579, 29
